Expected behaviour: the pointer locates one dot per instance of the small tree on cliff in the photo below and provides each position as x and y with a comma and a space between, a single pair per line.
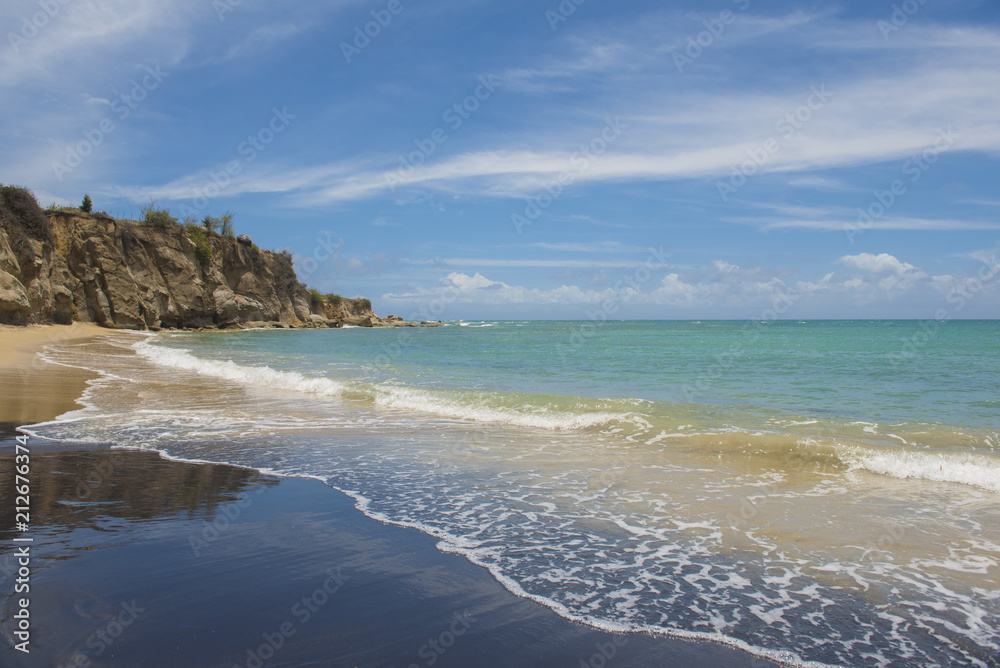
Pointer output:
226, 228
87, 205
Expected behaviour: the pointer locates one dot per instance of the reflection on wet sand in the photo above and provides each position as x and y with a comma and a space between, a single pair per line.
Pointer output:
142, 561
81, 488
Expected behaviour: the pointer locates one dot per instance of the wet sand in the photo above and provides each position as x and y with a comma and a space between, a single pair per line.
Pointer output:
32, 390
141, 561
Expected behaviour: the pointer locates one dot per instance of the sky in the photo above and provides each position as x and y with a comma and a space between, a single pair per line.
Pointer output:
514, 159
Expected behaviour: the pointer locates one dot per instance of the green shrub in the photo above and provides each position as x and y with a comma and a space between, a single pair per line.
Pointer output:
315, 298
157, 217
202, 246
87, 205
336, 300
210, 223
365, 304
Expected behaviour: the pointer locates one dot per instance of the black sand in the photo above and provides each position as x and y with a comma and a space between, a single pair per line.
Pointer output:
128, 571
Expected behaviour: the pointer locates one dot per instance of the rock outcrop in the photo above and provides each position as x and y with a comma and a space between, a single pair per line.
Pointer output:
62, 266
358, 313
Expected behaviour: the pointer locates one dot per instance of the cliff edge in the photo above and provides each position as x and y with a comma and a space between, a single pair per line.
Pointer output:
63, 265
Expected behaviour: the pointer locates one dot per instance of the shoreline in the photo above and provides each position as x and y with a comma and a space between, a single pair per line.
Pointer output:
245, 566
101, 506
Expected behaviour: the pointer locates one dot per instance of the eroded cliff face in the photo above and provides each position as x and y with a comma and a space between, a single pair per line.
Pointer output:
128, 275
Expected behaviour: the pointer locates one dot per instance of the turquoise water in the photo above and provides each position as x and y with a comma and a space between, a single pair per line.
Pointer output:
819, 493
867, 370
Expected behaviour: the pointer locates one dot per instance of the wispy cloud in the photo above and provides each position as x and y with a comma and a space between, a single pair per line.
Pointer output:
887, 223
690, 134
594, 247
500, 262
820, 182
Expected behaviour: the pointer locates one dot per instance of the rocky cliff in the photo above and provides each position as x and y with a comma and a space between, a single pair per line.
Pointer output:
61, 266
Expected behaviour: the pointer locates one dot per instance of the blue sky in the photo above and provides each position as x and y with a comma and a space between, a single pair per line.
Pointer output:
514, 159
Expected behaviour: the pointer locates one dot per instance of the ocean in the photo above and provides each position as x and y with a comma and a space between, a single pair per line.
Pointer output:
816, 493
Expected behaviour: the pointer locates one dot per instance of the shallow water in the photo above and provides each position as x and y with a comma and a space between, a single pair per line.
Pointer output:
822, 492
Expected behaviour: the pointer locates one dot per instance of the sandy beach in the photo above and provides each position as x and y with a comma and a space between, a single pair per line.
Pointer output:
32, 390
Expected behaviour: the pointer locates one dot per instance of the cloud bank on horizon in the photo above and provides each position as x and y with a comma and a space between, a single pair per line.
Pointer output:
521, 159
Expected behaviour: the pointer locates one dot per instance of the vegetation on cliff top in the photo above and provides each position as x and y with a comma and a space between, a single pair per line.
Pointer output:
157, 217
22, 218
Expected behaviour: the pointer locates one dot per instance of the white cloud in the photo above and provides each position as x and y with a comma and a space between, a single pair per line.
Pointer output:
881, 263
673, 290
477, 289
885, 283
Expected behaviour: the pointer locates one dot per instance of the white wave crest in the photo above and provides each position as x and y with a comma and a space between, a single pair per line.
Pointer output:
246, 375
433, 402
437, 403
975, 470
